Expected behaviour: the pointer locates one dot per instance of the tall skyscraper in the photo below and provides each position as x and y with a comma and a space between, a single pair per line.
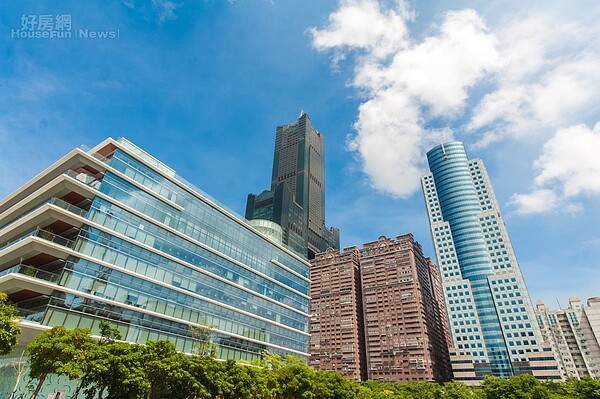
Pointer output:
378, 309
571, 333
114, 234
336, 314
490, 315
296, 200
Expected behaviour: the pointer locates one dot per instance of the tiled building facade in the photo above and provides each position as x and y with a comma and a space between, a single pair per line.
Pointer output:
404, 322
575, 343
336, 319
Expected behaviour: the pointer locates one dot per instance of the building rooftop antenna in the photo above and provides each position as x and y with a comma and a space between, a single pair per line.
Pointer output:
442, 140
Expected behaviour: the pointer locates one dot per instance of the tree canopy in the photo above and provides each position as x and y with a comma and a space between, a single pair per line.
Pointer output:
9, 325
108, 368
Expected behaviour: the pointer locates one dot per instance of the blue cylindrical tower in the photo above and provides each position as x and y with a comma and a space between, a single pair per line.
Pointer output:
461, 208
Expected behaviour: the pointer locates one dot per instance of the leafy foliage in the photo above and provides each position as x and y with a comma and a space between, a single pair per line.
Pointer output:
60, 351
9, 325
108, 332
203, 340
117, 370
523, 386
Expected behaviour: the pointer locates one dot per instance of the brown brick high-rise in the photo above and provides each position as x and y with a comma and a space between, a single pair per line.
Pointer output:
336, 326
405, 334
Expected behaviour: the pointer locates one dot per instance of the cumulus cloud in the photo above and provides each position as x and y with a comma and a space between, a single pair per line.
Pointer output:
364, 25
405, 83
568, 167
165, 9
538, 201
527, 77
571, 160
547, 77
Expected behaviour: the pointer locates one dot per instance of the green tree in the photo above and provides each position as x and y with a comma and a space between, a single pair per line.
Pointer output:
278, 377
422, 390
210, 374
240, 381
59, 351
379, 390
457, 390
9, 325
203, 340
269, 360
332, 385
88, 355
178, 381
523, 386
362, 392
93, 379
266, 384
108, 333
119, 371
161, 363
296, 381
561, 390
587, 388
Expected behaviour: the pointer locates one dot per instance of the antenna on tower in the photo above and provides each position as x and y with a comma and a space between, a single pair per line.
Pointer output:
301, 112
558, 302
442, 140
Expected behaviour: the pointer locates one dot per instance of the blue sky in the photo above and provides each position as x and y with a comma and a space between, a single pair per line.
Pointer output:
202, 85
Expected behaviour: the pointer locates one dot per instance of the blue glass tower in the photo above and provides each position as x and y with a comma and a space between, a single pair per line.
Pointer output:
491, 318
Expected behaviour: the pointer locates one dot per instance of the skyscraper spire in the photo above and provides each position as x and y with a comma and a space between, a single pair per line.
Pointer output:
296, 200
442, 143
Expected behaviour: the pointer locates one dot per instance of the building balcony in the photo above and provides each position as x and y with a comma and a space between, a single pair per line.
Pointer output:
32, 272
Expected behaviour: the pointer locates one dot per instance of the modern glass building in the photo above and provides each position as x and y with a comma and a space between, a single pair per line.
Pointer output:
296, 200
113, 234
491, 319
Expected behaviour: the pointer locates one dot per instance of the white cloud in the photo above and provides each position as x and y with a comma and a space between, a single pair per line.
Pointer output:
571, 161
404, 83
569, 166
439, 71
166, 9
364, 25
547, 77
594, 242
530, 76
538, 201
163, 10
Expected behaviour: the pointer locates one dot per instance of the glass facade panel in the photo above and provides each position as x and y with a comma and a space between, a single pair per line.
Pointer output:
152, 297
119, 220
472, 244
156, 256
244, 245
